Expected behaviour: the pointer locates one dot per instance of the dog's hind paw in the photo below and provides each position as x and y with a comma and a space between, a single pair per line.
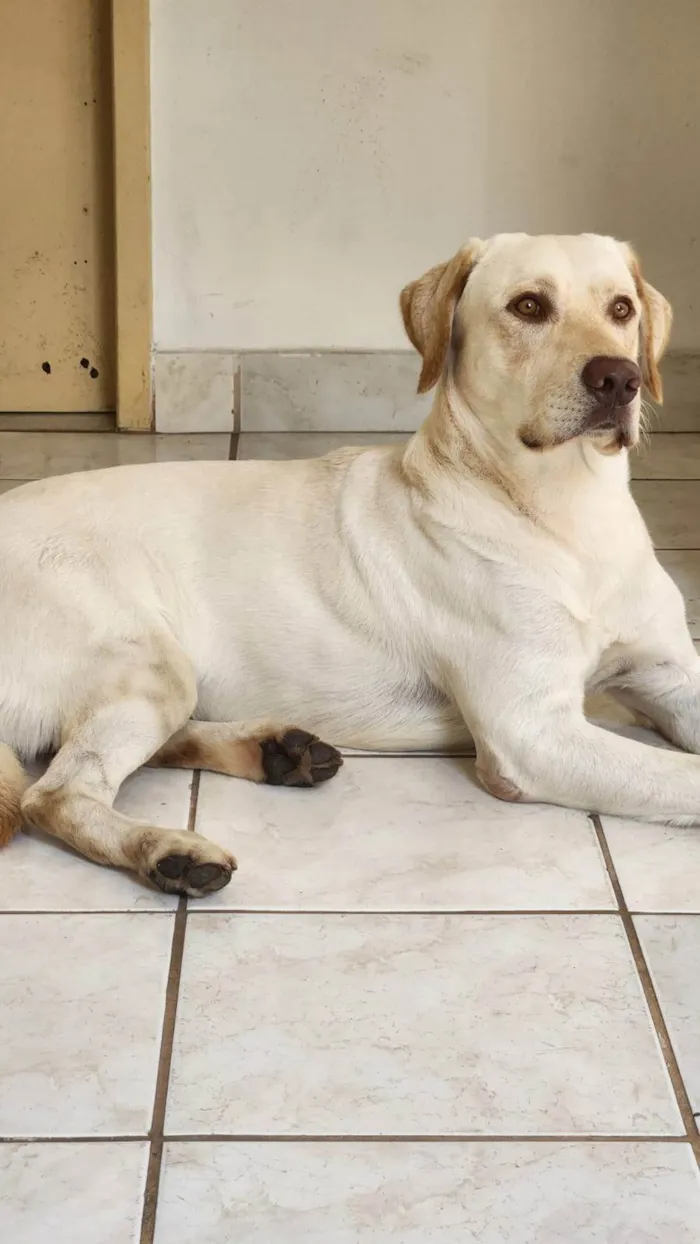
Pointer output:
297, 758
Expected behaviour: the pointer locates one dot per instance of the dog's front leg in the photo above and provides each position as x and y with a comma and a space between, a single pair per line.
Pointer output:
666, 689
523, 703
659, 674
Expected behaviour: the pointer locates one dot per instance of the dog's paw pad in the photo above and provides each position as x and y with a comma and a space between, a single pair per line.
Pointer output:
185, 874
297, 758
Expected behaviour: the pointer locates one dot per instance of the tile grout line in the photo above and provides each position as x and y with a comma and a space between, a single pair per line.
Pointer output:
233, 446
88, 911
210, 910
438, 1138
651, 997
126, 1138
172, 991
414, 911
332, 1138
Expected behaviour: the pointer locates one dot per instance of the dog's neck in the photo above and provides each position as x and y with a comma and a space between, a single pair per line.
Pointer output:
454, 453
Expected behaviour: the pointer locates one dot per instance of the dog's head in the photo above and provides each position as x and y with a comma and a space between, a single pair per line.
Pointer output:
545, 338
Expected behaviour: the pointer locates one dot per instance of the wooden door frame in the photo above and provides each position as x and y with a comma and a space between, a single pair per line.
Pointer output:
131, 75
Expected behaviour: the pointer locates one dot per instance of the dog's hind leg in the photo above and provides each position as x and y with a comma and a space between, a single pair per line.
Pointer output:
259, 752
148, 691
13, 783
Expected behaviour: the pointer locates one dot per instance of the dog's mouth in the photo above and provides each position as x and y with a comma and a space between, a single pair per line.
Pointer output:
609, 428
616, 424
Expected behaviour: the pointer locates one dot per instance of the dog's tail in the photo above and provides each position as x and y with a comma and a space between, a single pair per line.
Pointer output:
13, 783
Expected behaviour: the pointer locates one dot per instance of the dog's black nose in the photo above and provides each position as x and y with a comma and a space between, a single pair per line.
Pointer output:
614, 382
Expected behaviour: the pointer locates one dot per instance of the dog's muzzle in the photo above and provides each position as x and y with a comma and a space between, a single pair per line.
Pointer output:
613, 383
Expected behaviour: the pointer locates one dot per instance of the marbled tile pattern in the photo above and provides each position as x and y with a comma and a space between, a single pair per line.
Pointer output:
81, 1007
414, 1025
331, 392
478, 1193
401, 834
672, 948
76, 1193
658, 866
194, 392
681, 382
672, 511
683, 565
668, 456
281, 446
415, 1014
36, 455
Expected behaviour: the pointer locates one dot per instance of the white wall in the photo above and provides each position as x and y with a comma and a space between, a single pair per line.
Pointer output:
310, 156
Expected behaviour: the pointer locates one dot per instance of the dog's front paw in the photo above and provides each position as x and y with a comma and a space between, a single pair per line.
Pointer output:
185, 863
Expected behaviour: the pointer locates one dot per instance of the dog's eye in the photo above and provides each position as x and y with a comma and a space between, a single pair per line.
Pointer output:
621, 309
528, 307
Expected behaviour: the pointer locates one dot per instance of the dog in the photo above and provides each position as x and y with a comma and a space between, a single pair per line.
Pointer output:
467, 588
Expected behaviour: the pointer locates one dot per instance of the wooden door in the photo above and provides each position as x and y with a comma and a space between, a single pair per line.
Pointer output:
57, 277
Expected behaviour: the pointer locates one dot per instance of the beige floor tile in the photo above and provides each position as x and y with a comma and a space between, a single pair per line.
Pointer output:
35, 455
37, 422
677, 415
414, 1025
683, 565
412, 1193
280, 446
672, 456
72, 1193
658, 865
81, 1016
680, 373
671, 945
409, 834
39, 873
671, 510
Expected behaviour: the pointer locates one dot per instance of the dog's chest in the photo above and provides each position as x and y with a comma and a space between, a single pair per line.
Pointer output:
607, 610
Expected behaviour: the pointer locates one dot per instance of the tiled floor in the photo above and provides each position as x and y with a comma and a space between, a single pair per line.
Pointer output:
416, 1014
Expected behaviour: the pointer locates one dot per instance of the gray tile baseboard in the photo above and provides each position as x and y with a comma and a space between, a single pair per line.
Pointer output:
331, 392
680, 373
336, 391
284, 391
195, 391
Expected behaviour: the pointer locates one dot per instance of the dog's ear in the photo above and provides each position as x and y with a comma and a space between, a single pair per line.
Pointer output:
428, 306
655, 328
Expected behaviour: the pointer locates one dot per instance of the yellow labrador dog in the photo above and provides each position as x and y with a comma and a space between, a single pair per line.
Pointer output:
471, 585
